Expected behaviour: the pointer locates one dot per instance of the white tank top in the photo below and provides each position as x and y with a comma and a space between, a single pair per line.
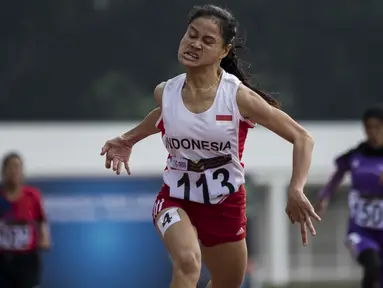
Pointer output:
219, 131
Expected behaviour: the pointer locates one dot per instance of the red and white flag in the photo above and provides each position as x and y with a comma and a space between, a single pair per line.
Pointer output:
223, 119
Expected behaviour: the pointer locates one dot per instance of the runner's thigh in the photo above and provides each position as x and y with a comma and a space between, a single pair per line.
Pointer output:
29, 271
5, 281
359, 242
226, 263
5, 272
179, 237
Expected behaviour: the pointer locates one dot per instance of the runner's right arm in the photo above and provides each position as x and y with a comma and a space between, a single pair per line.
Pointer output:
148, 126
342, 167
331, 186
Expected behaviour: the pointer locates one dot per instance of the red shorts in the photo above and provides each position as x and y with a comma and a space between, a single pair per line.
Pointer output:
215, 223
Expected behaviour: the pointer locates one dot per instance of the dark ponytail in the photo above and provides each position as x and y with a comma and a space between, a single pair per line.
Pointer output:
232, 65
229, 28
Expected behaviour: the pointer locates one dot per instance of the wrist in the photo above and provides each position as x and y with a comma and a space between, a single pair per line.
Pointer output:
44, 244
295, 189
128, 140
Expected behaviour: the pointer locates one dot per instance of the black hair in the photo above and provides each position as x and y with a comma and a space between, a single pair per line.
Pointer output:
229, 30
375, 111
7, 158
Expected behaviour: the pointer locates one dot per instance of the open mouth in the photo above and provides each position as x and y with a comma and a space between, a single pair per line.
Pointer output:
191, 56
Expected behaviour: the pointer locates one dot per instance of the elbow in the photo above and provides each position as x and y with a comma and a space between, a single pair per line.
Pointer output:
306, 139
44, 243
310, 139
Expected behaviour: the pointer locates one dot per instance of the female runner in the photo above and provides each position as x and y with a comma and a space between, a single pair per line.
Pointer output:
203, 116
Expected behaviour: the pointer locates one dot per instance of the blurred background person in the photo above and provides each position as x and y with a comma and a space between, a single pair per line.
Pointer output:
23, 227
365, 227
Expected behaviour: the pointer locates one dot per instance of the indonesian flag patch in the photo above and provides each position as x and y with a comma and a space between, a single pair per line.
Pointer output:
223, 119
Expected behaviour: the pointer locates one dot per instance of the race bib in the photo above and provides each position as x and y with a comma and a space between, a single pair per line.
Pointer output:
15, 237
365, 212
207, 187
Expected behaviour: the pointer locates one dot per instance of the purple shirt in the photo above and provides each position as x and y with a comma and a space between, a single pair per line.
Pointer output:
366, 167
366, 196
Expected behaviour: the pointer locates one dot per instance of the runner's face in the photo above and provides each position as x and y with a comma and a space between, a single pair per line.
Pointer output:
13, 171
374, 131
202, 44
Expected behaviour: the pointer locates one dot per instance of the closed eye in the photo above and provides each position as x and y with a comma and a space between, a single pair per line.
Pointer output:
193, 33
208, 40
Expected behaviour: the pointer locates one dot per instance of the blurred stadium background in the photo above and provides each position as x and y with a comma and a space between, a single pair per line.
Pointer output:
75, 73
